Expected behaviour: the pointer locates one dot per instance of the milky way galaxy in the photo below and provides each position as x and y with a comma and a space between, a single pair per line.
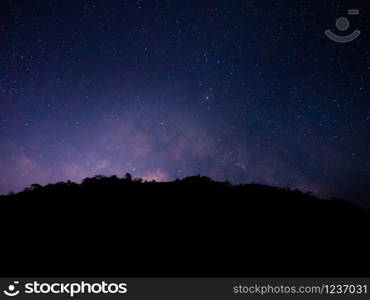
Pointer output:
244, 91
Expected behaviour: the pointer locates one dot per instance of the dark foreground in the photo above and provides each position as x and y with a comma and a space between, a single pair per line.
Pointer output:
193, 227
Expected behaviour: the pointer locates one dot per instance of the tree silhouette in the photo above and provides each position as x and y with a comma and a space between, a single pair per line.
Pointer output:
210, 227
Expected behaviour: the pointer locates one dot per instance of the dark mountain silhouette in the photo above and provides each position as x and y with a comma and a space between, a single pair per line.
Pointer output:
114, 226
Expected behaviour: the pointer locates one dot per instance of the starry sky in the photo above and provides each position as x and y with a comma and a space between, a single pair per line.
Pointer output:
242, 90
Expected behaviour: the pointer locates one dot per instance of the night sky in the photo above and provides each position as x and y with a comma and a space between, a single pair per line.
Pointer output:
245, 91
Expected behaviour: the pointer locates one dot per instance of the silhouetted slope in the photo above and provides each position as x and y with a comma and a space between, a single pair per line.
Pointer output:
193, 226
